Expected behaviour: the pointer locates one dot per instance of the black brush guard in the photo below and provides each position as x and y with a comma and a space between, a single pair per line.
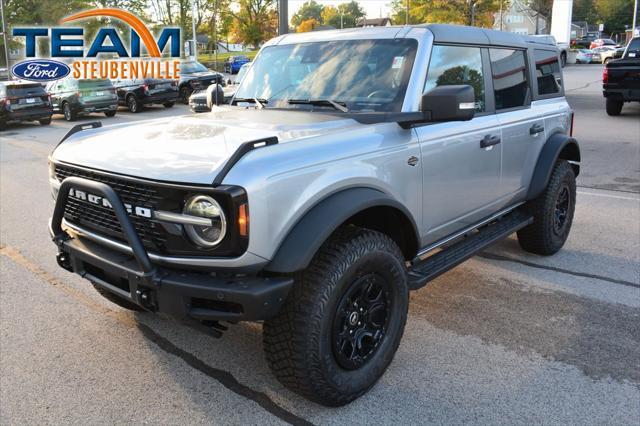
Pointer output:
179, 293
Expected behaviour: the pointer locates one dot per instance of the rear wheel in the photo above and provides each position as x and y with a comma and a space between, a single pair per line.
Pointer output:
614, 107
120, 301
343, 320
168, 104
185, 92
110, 113
68, 114
133, 104
45, 121
552, 213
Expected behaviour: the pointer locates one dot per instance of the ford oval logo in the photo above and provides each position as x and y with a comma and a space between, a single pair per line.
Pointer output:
40, 70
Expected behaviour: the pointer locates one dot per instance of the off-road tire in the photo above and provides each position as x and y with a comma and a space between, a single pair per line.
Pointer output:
543, 236
614, 107
299, 341
110, 113
45, 121
133, 104
123, 303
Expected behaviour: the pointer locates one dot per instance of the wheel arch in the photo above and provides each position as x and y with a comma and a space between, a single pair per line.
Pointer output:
365, 207
558, 146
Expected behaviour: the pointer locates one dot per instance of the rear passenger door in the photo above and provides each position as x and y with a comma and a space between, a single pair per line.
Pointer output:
522, 126
461, 179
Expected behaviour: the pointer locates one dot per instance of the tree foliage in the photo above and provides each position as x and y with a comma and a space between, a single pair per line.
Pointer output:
309, 10
346, 14
446, 11
307, 25
255, 22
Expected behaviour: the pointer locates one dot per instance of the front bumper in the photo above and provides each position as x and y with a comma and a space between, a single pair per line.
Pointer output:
179, 293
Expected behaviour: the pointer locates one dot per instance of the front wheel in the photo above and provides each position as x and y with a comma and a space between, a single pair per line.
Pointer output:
185, 92
68, 114
614, 107
110, 113
343, 320
168, 104
133, 104
45, 121
552, 213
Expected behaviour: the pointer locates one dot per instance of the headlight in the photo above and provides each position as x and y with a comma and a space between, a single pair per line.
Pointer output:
207, 207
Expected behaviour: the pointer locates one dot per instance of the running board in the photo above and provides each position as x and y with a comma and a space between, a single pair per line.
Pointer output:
431, 267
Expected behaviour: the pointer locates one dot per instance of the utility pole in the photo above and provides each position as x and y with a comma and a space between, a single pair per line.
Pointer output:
341, 20
501, 1
5, 37
283, 17
473, 13
193, 29
406, 14
215, 32
635, 17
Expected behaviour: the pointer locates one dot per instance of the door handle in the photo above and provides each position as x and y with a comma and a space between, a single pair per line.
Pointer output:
489, 140
535, 129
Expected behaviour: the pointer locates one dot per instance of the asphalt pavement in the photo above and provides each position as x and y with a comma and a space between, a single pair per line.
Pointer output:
505, 338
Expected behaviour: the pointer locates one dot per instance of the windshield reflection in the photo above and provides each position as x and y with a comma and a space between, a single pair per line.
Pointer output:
364, 75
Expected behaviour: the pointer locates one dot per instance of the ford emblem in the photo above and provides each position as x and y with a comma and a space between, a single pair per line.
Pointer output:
40, 70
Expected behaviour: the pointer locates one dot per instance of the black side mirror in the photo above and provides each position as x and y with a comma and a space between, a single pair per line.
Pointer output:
449, 103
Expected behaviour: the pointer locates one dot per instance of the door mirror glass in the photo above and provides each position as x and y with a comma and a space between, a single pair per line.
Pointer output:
449, 103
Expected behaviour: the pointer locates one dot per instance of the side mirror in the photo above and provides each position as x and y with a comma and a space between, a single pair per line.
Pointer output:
449, 103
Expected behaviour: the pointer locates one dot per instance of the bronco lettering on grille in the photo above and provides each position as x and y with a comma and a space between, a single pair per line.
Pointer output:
101, 201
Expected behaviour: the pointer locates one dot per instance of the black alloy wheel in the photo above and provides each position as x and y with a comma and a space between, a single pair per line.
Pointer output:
66, 110
562, 210
361, 321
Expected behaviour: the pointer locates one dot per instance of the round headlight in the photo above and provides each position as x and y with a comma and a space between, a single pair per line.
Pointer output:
205, 206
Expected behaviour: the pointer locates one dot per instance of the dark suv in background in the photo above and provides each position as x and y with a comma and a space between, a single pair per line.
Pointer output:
135, 94
195, 76
78, 97
24, 101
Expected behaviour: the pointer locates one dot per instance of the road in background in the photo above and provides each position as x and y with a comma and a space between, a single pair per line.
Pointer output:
505, 338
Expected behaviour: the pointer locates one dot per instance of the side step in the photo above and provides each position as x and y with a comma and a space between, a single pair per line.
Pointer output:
452, 255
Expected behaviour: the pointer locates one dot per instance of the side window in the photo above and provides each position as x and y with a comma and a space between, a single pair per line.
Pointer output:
452, 65
547, 72
509, 72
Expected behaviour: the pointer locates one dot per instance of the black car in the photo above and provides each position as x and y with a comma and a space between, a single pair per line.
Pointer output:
24, 101
135, 94
193, 77
621, 79
201, 101
77, 97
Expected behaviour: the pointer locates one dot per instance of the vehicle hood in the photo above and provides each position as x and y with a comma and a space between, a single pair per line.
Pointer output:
191, 148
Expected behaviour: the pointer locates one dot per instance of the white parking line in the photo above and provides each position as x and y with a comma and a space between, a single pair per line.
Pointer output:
619, 197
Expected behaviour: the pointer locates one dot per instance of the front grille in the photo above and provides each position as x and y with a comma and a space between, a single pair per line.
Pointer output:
103, 219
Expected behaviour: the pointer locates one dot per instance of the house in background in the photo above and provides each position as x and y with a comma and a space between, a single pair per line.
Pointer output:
520, 19
373, 22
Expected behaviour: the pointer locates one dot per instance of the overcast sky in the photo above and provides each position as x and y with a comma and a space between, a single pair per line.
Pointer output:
373, 8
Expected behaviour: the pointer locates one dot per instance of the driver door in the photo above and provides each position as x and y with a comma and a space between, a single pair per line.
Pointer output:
461, 179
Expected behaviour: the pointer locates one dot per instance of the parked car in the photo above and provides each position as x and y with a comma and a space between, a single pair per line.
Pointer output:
582, 42
193, 77
621, 79
606, 53
619, 52
24, 101
600, 42
232, 85
586, 56
563, 48
203, 100
72, 97
233, 63
315, 203
136, 94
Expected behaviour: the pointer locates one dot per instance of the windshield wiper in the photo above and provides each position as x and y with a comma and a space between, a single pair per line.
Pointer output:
259, 102
340, 106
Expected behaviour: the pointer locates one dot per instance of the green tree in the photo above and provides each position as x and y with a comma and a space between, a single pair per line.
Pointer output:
446, 11
351, 12
309, 10
614, 14
254, 22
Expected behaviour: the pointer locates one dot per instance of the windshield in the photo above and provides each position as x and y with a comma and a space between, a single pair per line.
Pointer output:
363, 75
191, 67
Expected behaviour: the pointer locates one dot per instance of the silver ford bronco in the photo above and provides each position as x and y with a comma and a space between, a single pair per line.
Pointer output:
351, 167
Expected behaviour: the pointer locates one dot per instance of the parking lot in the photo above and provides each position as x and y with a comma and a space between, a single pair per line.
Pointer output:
505, 338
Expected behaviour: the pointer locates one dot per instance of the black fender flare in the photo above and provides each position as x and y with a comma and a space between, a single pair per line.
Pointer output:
557, 146
307, 236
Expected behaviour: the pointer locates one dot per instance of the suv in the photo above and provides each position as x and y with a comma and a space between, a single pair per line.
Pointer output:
24, 101
135, 94
621, 79
315, 204
233, 64
73, 97
193, 77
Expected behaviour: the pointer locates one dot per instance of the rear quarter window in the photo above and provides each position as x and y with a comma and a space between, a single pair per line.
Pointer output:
548, 74
510, 83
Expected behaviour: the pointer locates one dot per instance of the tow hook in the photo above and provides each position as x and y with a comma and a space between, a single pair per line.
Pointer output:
146, 299
64, 261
